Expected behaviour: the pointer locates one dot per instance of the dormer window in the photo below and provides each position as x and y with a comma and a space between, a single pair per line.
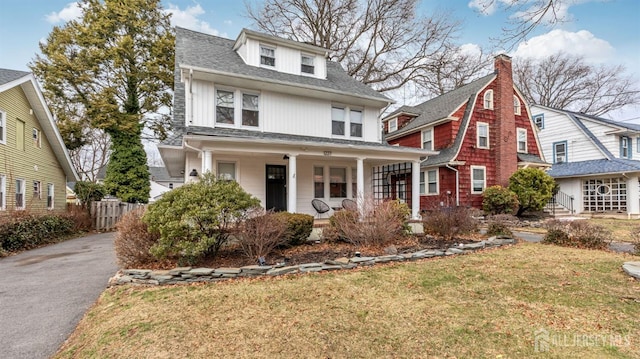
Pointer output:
393, 125
488, 100
307, 64
267, 56
516, 105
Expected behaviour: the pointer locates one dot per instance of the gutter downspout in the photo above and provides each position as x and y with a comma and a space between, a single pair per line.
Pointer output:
191, 96
457, 184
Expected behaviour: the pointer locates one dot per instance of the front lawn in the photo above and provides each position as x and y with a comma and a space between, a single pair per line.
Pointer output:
489, 304
621, 229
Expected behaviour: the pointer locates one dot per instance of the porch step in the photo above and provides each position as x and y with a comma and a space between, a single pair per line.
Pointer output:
559, 211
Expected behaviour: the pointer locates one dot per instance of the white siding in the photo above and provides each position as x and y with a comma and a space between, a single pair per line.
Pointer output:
572, 187
204, 103
288, 59
610, 141
558, 128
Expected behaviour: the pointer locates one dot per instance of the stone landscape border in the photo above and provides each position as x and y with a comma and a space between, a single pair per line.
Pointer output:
187, 275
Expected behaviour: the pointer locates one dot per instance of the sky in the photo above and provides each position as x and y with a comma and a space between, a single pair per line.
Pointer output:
602, 31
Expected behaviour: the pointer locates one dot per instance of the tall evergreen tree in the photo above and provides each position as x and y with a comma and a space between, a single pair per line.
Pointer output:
112, 69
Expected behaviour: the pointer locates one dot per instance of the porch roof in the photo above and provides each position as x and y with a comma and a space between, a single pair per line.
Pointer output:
594, 167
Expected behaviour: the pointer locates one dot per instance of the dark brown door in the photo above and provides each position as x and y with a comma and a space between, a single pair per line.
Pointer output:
276, 187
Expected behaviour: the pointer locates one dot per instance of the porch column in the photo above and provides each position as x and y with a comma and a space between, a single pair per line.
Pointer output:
292, 186
206, 161
415, 190
360, 179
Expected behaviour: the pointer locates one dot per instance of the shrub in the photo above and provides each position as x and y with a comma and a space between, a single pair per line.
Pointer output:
375, 223
499, 200
534, 188
261, 233
86, 192
195, 220
80, 217
299, 227
579, 234
498, 225
635, 235
448, 222
134, 241
21, 231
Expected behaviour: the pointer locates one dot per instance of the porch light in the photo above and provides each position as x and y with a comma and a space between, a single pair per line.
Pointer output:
193, 173
285, 157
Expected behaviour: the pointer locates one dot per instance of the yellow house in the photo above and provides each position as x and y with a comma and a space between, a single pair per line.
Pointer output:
34, 163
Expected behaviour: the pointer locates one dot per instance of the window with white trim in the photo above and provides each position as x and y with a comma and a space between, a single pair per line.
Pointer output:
478, 179
37, 190
250, 110
539, 120
625, 144
307, 65
20, 193
516, 105
3, 127
337, 121
427, 139
354, 183
488, 100
50, 193
3, 192
37, 140
638, 144
225, 107
267, 56
318, 182
355, 122
560, 152
522, 140
227, 171
393, 125
429, 182
337, 182
483, 135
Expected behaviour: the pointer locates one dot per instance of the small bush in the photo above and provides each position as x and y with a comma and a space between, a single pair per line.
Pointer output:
579, 234
299, 227
499, 224
381, 223
499, 200
86, 192
21, 231
449, 222
635, 235
261, 233
80, 217
134, 241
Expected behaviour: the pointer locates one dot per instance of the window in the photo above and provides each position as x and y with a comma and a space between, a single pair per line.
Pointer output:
422, 185
3, 127
19, 194
427, 139
478, 179
430, 186
393, 125
625, 143
37, 190
488, 99
224, 107
337, 182
516, 105
50, 203
227, 171
20, 135
638, 145
604, 194
249, 110
539, 120
3, 192
318, 182
483, 135
522, 140
267, 56
354, 183
560, 152
337, 121
355, 120
36, 138
307, 64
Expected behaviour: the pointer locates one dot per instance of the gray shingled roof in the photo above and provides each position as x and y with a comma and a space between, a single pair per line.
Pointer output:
530, 158
439, 107
590, 134
629, 126
7, 75
161, 174
594, 167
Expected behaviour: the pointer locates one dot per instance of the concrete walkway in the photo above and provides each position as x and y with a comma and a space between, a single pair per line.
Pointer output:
45, 292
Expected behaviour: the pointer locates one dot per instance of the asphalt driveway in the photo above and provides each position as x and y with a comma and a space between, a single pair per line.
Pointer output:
45, 292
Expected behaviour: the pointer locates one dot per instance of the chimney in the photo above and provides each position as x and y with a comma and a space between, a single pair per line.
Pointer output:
506, 143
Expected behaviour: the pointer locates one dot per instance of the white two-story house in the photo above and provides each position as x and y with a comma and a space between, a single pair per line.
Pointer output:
279, 118
596, 161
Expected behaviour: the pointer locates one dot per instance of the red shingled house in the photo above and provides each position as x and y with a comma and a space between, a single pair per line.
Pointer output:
483, 132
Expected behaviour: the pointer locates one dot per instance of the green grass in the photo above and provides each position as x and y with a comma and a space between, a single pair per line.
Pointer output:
488, 304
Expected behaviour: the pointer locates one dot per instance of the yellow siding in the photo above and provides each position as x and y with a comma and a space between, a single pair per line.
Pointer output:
32, 162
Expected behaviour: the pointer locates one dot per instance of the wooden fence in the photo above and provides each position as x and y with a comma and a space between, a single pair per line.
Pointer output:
106, 214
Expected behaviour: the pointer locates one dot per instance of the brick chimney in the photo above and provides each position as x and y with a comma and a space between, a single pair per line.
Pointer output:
506, 143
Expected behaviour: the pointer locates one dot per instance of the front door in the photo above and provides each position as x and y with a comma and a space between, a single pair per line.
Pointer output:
276, 188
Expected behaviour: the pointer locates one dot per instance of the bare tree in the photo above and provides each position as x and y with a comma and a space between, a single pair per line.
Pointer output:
568, 82
93, 155
383, 43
